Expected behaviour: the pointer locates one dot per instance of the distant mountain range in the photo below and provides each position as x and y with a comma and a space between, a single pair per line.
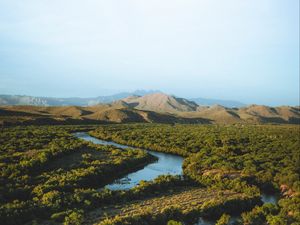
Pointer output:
50, 101
210, 102
150, 107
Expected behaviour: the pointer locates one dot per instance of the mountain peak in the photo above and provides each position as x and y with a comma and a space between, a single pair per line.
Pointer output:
158, 95
161, 102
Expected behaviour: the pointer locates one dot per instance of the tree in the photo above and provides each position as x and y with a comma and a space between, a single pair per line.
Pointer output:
224, 220
74, 218
173, 222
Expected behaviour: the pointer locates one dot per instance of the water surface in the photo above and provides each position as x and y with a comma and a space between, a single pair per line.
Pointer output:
166, 164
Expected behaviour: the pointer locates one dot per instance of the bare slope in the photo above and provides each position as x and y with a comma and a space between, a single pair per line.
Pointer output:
151, 108
115, 113
160, 102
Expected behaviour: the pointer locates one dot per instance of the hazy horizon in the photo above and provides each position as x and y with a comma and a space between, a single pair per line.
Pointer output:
245, 51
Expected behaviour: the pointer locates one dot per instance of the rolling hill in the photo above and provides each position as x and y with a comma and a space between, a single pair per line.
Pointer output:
51, 101
108, 113
160, 102
150, 108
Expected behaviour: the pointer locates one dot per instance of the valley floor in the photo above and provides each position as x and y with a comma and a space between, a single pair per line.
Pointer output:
48, 176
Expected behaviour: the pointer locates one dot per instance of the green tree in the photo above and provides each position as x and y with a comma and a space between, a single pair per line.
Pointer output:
74, 218
173, 222
224, 220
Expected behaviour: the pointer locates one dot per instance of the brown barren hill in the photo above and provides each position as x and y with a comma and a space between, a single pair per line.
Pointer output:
160, 102
216, 113
116, 115
266, 114
152, 108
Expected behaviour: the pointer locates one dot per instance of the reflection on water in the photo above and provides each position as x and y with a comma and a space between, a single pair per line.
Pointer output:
269, 198
202, 221
166, 164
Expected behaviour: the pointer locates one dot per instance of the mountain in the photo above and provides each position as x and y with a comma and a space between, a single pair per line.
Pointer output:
266, 114
51, 101
254, 114
151, 107
116, 97
21, 100
215, 113
122, 112
211, 102
160, 102
99, 114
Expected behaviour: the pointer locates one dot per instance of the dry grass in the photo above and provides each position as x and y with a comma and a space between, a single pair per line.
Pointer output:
186, 200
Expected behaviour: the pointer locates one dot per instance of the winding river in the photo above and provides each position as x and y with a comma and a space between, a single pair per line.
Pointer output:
166, 164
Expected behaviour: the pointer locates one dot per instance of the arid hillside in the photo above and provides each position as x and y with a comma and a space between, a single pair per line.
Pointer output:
160, 102
157, 107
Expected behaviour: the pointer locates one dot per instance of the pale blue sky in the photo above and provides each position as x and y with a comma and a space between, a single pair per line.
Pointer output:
245, 50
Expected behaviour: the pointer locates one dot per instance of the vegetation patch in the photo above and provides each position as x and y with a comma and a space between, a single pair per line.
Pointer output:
186, 205
45, 170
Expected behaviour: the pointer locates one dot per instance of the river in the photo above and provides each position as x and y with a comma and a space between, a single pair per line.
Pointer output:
166, 164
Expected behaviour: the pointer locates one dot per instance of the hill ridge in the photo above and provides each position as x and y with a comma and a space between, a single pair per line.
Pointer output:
53, 101
120, 112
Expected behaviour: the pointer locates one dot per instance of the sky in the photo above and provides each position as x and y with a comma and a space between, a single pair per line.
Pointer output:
235, 49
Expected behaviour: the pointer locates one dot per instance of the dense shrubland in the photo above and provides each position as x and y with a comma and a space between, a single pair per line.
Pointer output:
46, 171
49, 175
236, 157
